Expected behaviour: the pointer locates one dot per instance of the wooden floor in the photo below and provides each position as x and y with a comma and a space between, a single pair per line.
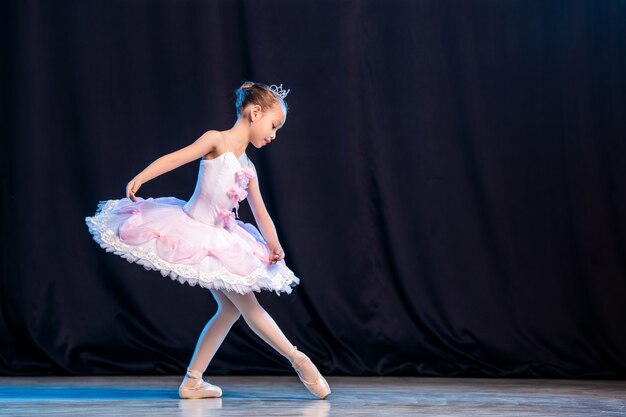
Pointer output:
286, 396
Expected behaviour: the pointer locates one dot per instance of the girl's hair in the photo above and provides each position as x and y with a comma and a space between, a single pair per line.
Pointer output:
256, 93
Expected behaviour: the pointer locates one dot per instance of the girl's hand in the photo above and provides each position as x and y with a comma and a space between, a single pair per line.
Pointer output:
276, 254
132, 187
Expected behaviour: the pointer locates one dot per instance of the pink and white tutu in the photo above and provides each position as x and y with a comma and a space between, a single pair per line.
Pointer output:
200, 241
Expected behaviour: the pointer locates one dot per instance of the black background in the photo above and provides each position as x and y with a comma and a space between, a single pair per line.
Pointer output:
450, 185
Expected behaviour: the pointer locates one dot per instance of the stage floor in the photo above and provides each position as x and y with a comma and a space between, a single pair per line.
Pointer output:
286, 396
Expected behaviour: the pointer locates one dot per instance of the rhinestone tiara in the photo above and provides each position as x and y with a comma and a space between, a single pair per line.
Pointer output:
278, 90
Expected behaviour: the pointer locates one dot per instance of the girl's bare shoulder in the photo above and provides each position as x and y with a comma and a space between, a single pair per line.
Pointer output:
213, 137
212, 142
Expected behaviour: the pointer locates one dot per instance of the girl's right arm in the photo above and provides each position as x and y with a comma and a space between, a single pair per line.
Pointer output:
203, 145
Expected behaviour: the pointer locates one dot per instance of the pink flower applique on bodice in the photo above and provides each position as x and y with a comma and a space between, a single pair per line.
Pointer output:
222, 184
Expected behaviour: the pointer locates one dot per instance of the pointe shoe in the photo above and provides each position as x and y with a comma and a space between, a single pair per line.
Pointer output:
319, 387
200, 389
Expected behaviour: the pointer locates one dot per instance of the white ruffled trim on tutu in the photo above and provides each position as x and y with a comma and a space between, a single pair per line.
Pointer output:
257, 280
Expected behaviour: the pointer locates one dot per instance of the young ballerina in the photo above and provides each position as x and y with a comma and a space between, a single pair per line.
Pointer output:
203, 242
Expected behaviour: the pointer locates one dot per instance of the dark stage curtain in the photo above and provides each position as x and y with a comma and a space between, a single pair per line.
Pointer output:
450, 185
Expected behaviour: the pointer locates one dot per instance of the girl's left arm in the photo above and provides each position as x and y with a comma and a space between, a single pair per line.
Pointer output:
263, 220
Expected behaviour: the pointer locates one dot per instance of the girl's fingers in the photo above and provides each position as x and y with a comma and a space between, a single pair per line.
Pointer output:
275, 257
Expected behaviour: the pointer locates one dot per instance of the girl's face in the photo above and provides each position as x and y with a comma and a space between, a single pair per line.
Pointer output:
265, 124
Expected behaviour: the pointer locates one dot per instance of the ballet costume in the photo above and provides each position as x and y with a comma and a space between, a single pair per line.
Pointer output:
201, 242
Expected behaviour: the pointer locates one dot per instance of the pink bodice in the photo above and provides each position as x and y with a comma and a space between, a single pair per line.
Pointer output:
222, 184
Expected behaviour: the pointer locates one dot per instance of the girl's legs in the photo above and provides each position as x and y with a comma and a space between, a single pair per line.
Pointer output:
265, 327
213, 334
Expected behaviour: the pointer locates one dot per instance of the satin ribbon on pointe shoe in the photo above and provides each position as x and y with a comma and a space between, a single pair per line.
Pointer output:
200, 388
319, 387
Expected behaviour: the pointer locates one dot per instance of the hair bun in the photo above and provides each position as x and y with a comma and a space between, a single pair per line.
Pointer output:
246, 85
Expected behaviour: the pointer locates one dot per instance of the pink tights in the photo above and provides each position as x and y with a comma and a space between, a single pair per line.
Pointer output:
232, 305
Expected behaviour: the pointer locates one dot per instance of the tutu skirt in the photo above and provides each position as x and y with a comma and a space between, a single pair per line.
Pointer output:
160, 235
